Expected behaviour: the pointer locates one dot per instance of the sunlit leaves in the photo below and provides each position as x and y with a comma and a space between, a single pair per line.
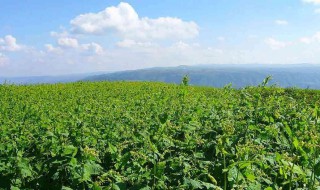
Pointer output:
137, 135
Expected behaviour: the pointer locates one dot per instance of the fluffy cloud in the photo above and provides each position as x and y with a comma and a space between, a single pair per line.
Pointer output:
140, 46
68, 42
305, 40
124, 20
9, 43
93, 47
281, 22
72, 44
62, 34
51, 49
275, 44
308, 40
129, 54
127, 43
316, 2
181, 46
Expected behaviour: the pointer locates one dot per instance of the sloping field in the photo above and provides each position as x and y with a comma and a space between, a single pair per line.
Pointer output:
138, 135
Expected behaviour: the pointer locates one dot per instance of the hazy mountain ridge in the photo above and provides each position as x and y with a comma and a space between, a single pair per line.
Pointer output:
47, 79
299, 75
302, 75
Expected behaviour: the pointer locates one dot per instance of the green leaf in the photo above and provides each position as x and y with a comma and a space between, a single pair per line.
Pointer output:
210, 186
271, 119
73, 162
26, 172
146, 188
14, 188
66, 188
250, 177
297, 170
267, 181
254, 186
96, 187
234, 174
91, 168
112, 149
25, 169
120, 186
278, 157
288, 130
160, 168
195, 184
49, 134
295, 142
70, 150
243, 165
198, 155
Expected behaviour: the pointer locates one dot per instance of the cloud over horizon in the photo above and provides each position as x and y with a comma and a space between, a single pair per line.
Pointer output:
311, 39
118, 38
275, 44
9, 43
123, 20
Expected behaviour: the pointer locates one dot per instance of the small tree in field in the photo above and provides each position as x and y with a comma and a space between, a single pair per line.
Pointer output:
185, 80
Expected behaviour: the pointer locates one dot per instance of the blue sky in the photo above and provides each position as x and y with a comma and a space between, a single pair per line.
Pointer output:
64, 37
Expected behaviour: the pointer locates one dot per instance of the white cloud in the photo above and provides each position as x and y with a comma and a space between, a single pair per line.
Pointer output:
68, 42
9, 43
62, 34
72, 44
51, 49
139, 46
91, 57
221, 38
308, 40
305, 40
316, 2
275, 44
181, 45
316, 36
316, 11
215, 50
93, 47
281, 22
124, 21
127, 43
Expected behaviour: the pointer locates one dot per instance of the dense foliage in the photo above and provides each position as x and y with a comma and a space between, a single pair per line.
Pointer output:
135, 135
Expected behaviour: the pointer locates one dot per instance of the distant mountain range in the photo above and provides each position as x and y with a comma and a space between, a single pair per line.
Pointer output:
47, 79
302, 75
298, 75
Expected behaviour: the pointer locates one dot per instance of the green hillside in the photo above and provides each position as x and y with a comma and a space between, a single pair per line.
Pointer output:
147, 135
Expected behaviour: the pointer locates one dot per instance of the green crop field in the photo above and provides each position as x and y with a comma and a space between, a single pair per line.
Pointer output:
143, 135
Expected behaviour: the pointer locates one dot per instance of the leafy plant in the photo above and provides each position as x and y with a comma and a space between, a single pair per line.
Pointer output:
143, 135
